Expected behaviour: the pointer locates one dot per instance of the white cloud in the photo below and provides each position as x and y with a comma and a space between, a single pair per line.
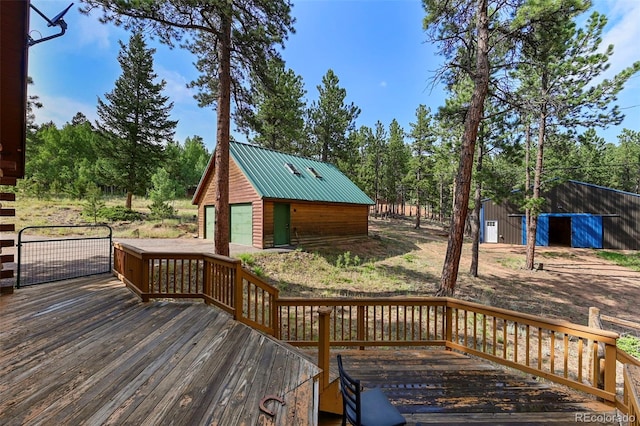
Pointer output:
176, 87
623, 31
90, 32
61, 110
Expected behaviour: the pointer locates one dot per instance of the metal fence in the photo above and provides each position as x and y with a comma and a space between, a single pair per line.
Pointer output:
43, 259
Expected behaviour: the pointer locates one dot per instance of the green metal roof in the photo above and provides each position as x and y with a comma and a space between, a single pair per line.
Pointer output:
269, 174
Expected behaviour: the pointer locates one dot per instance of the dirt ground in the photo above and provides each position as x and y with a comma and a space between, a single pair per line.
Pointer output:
571, 280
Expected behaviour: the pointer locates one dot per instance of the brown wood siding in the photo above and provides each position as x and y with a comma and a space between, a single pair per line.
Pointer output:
240, 191
320, 219
620, 213
268, 229
310, 221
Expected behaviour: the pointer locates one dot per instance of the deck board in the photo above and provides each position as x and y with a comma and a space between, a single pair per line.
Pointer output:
87, 351
437, 386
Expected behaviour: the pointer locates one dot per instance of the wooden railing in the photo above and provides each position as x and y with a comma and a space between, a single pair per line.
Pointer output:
631, 397
217, 280
557, 350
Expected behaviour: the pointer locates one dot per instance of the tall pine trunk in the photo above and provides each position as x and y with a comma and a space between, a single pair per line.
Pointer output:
221, 174
535, 205
475, 215
463, 177
129, 201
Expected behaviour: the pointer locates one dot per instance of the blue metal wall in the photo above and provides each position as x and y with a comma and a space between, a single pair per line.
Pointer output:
586, 230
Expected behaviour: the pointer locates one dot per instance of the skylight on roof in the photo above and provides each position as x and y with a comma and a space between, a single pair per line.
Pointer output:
292, 169
314, 172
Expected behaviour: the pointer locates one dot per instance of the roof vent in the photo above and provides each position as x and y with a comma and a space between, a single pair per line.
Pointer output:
314, 172
292, 169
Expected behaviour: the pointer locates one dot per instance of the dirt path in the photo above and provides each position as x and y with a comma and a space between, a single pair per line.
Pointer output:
571, 280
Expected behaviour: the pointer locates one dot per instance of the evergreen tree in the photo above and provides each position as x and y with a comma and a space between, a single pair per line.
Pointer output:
395, 167
230, 39
373, 161
331, 120
162, 191
626, 158
278, 119
135, 120
420, 174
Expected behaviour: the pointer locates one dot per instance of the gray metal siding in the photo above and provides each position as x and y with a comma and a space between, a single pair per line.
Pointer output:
508, 218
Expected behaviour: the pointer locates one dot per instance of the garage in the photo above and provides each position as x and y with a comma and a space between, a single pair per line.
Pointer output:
241, 224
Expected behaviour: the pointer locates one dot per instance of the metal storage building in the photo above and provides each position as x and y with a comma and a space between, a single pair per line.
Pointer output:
575, 214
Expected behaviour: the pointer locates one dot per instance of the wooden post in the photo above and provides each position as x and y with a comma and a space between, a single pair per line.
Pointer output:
448, 325
238, 293
597, 355
145, 265
360, 331
324, 345
609, 369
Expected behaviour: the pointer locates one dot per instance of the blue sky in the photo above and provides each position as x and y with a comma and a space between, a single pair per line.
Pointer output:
376, 48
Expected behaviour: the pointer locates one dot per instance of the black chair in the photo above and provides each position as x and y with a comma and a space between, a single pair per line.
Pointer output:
368, 408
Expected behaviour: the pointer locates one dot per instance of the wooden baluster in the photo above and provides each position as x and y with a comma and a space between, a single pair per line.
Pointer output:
324, 345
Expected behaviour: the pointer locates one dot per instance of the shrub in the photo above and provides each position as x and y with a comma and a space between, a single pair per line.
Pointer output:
119, 214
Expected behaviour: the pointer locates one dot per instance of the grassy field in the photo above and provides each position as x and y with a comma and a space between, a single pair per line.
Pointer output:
61, 211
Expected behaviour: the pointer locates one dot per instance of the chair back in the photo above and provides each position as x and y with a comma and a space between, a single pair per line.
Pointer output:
350, 389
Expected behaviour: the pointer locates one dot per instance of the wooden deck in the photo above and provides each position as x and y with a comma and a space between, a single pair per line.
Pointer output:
88, 351
435, 386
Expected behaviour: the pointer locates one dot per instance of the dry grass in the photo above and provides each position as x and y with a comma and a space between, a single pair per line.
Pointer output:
60, 211
397, 260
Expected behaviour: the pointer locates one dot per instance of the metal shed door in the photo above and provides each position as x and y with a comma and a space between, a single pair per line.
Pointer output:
542, 231
241, 224
586, 231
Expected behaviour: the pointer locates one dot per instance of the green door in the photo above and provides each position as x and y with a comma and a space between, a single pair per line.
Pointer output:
281, 217
209, 222
241, 224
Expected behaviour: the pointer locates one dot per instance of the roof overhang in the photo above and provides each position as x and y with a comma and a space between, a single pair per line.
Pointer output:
14, 24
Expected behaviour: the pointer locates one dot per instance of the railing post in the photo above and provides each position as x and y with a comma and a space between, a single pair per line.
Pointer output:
448, 325
238, 293
275, 316
324, 344
360, 321
610, 354
143, 264
597, 354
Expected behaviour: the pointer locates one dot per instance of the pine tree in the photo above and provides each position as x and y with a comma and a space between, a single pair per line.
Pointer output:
277, 122
395, 167
420, 174
331, 120
134, 117
445, 22
231, 40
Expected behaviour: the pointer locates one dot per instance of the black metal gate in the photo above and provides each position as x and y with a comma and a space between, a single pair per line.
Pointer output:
43, 259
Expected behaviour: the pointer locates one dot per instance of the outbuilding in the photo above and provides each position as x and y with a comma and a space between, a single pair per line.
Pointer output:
574, 214
279, 199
